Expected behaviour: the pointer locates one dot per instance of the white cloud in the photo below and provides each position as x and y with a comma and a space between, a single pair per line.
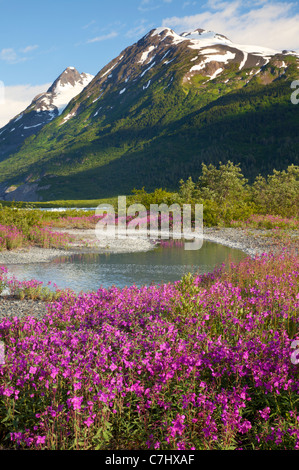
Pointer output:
86, 26
104, 37
17, 98
10, 56
29, 49
264, 22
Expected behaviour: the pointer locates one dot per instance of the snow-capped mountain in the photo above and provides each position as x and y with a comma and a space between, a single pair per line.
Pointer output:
43, 109
212, 50
165, 55
218, 49
153, 114
68, 85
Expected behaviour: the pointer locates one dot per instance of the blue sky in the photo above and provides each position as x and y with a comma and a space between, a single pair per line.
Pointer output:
39, 39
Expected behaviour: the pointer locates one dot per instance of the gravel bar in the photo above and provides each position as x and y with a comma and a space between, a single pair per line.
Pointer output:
11, 307
252, 242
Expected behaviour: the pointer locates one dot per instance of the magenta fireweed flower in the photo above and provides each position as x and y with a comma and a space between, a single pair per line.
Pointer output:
207, 355
177, 426
75, 402
89, 421
268, 222
265, 413
40, 440
77, 386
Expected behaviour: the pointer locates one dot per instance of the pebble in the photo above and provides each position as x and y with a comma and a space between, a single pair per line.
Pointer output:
11, 307
252, 242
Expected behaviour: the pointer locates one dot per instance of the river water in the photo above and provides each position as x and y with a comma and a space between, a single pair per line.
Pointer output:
86, 272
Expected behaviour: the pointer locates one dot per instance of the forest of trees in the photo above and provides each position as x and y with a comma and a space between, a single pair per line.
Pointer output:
226, 194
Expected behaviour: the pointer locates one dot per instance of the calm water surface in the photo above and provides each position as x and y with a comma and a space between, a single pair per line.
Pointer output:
90, 271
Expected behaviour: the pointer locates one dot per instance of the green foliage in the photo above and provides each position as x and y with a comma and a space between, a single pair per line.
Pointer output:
159, 196
278, 193
70, 204
223, 192
188, 191
226, 195
24, 220
224, 184
155, 138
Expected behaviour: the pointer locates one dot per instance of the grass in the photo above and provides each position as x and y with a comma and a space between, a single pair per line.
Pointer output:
268, 222
69, 204
22, 228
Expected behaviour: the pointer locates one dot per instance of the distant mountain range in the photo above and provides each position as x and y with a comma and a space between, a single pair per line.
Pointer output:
151, 117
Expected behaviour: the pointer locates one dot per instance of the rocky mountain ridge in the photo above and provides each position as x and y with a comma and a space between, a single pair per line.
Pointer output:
171, 101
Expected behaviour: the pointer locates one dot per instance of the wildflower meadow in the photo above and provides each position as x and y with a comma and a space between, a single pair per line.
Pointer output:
206, 363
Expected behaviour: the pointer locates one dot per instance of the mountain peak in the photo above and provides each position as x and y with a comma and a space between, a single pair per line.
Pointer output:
200, 33
43, 109
156, 98
70, 77
196, 34
68, 85
200, 38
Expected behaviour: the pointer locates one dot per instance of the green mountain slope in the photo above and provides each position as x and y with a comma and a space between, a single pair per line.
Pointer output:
155, 113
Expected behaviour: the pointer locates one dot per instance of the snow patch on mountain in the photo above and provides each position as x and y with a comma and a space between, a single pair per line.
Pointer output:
166, 31
245, 57
30, 127
257, 50
65, 93
213, 58
145, 55
111, 68
97, 112
200, 39
146, 70
19, 117
216, 73
168, 61
98, 97
147, 85
165, 55
67, 118
68, 85
44, 108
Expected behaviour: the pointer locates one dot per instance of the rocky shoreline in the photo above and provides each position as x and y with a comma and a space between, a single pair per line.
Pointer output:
253, 242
